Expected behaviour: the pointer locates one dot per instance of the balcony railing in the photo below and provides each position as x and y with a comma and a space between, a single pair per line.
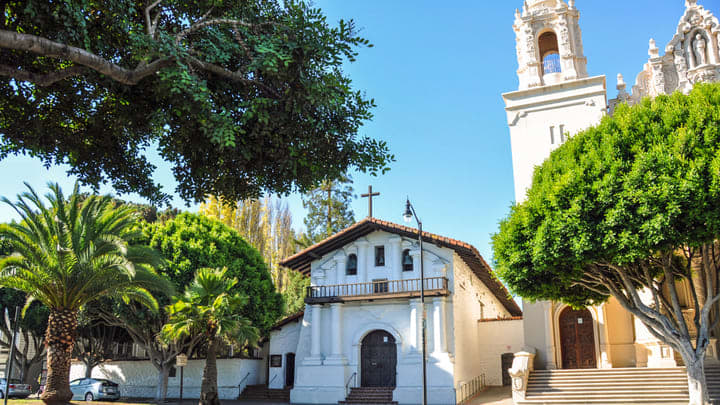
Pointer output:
379, 289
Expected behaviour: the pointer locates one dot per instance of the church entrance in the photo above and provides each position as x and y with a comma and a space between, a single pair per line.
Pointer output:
378, 360
577, 339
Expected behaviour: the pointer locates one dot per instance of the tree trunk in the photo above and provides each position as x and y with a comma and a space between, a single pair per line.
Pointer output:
697, 385
88, 370
209, 389
60, 338
162, 385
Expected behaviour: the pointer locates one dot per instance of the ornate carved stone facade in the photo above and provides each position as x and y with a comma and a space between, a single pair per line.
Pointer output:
692, 56
539, 17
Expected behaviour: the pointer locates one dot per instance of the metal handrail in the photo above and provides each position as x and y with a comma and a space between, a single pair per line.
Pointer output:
273, 380
240, 386
470, 389
352, 378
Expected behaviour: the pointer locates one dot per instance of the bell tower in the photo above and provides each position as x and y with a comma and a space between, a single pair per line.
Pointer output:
549, 43
556, 97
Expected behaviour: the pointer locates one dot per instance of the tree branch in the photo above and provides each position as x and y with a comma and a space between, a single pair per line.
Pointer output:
45, 47
151, 23
42, 79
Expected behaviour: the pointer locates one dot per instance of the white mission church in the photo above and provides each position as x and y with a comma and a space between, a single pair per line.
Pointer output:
362, 327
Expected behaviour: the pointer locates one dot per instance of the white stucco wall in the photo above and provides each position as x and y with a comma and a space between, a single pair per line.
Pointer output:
496, 338
138, 379
470, 292
282, 342
575, 105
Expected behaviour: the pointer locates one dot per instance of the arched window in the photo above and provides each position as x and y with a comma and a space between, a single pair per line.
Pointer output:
351, 268
407, 260
549, 52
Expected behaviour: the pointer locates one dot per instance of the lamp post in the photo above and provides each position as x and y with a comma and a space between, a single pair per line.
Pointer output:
181, 361
11, 361
408, 216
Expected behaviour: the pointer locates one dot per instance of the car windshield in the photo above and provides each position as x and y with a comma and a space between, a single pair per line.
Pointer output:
14, 381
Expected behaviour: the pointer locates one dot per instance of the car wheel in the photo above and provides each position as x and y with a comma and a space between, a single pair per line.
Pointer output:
2, 395
89, 397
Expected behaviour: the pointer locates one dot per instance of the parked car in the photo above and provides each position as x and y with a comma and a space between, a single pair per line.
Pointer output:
94, 389
16, 389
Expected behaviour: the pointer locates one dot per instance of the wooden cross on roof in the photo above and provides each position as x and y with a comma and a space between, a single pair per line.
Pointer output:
370, 196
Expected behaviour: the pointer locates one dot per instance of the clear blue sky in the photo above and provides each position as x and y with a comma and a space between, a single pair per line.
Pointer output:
437, 72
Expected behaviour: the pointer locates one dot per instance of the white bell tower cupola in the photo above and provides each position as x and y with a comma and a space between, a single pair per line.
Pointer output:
549, 43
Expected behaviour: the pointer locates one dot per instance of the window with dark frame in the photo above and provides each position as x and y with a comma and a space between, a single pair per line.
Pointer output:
407, 261
351, 268
379, 256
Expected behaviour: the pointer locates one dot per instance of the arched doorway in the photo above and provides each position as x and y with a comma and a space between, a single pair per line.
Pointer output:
378, 360
577, 339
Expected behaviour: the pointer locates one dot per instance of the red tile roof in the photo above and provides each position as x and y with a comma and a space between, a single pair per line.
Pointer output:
302, 261
290, 319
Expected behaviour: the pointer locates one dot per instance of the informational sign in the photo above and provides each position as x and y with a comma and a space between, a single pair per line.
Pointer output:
181, 360
276, 360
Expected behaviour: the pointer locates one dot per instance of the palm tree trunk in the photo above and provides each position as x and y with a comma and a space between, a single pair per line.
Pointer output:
209, 389
60, 338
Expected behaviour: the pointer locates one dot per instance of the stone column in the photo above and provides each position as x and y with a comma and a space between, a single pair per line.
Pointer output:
396, 257
551, 353
340, 263
315, 333
337, 358
415, 254
416, 325
362, 256
438, 317
604, 338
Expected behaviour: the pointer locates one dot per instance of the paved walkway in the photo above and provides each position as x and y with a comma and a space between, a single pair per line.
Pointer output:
494, 396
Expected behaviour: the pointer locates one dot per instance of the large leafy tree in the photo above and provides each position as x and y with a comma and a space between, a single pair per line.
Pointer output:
240, 97
628, 209
266, 224
211, 307
68, 254
190, 242
329, 210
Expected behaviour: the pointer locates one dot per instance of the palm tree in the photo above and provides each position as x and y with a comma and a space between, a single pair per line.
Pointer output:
67, 254
210, 307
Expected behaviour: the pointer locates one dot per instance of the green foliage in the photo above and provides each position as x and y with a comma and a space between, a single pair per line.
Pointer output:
642, 186
329, 210
210, 306
295, 291
241, 97
190, 242
71, 253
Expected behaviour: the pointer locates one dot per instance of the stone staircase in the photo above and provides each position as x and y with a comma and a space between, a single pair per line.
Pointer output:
712, 376
370, 396
261, 393
608, 386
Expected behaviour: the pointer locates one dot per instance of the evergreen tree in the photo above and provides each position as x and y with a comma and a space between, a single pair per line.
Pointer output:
266, 225
329, 210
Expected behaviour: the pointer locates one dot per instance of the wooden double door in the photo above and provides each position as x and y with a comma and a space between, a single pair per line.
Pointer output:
378, 360
577, 339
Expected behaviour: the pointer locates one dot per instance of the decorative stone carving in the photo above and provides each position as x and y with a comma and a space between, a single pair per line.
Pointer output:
523, 364
700, 48
671, 78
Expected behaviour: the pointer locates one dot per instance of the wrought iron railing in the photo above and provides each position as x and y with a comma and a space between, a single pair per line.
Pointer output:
351, 383
377, 288
469, 389
551, 64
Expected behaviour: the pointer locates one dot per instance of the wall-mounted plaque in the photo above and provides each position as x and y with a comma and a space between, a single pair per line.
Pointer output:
276, 360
